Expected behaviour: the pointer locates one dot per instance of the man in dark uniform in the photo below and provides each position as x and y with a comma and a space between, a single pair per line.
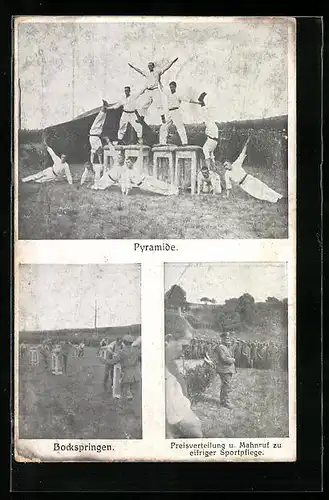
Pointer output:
225, 367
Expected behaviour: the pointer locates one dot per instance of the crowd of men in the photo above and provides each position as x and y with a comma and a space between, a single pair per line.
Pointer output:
48, 348
264, 355
126, 174
124, 353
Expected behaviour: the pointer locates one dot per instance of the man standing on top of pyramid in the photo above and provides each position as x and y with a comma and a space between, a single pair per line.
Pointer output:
174, 117
130, 113
153, 90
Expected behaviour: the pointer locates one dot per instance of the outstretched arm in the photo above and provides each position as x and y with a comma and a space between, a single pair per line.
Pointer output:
54, 157
68, 174
115, 105
242, 156
137, 69
168, 66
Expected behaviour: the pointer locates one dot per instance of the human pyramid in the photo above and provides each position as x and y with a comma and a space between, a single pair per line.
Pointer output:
128, 174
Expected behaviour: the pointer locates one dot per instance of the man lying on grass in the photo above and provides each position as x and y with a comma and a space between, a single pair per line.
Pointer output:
181, 421
58, 171
139, 179
247, 182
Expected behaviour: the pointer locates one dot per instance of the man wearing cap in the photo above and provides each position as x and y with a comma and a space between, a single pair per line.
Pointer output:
130, 113
208, 181
225, 367
128, 357
153, 91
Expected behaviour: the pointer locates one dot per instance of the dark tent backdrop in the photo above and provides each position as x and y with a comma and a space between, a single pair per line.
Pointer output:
267, 148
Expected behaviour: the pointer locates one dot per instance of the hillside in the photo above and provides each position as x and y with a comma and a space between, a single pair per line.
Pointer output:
89, 335
249, 319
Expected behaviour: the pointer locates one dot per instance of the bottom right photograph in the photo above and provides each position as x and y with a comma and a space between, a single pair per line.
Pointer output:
226, 350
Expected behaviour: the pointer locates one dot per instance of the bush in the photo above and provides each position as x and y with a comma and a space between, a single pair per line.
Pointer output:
198, 379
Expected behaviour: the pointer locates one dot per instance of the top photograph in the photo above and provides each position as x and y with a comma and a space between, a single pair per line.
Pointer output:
155, 128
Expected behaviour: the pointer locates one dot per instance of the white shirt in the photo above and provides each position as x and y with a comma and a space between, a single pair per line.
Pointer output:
178, 407
237, 173
98, 124
153, 79
174, 100
128, 103
59, 168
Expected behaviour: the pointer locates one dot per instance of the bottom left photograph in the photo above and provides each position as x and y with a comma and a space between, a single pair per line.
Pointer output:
78, 352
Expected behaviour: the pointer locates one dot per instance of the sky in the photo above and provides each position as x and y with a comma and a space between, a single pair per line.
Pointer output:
228, 280
63, 296
66, 68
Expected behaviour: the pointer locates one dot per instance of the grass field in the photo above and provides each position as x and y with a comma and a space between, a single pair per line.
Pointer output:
260, 400
60, 211
74, 405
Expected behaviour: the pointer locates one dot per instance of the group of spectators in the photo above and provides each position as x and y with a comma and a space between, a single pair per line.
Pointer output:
264, 355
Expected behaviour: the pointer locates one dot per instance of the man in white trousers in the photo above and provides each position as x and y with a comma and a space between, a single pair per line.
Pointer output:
96, 146
153, 90
174, 116
129, 113
211, 131
146, 182
58, 171
111, 176
256, 188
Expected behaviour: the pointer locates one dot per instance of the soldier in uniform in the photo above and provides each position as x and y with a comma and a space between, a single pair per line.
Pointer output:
111, 349
225, 367
129, 358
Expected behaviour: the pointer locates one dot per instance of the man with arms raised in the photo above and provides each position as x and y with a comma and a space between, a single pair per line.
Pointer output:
153, 90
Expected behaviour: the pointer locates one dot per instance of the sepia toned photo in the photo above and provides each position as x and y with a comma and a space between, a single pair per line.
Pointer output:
79, 352
152, 128
155, 204
226, 349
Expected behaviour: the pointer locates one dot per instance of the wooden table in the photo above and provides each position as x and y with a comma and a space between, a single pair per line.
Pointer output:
109, 155
191, 153
132, 151
165, 152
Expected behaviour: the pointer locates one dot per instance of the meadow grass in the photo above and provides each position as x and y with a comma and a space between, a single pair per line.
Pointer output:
74, 405
57, 210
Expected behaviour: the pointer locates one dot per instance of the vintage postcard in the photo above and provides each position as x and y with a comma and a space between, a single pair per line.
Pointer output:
164, 111
155, 253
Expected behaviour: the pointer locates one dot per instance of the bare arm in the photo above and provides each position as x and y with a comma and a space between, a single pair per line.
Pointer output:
168, 66
137, 69
68, 174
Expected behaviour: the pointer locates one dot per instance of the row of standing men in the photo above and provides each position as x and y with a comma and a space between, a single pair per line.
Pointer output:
247, 353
